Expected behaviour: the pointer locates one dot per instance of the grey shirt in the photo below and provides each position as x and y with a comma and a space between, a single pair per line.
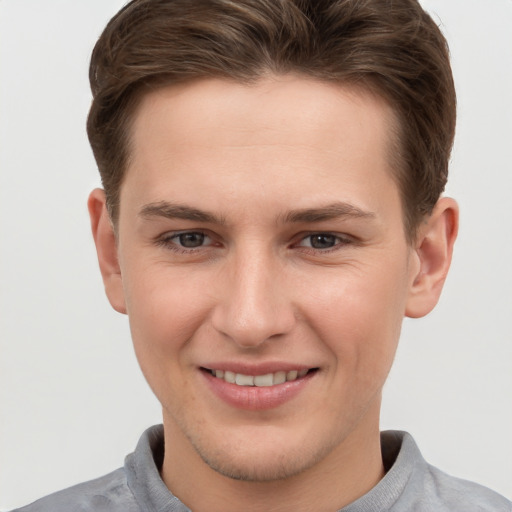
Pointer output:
410, 484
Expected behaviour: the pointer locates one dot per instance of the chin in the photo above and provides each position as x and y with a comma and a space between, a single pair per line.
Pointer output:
254, 462
276, 467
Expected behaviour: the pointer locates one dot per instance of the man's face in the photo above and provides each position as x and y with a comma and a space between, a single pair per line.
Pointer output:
261, 239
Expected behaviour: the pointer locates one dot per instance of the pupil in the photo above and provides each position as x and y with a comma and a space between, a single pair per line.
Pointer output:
191, 239
323, 241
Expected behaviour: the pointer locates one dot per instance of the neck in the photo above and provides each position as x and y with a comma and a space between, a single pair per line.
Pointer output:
347, 473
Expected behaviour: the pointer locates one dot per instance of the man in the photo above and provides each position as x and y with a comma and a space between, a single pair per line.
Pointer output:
271, 211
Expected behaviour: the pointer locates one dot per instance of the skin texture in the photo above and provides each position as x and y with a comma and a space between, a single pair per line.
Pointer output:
268, 166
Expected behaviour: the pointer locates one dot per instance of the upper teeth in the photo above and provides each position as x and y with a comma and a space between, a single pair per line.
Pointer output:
269, 379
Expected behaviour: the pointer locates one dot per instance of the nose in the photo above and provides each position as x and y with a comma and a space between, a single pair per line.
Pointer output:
254, 304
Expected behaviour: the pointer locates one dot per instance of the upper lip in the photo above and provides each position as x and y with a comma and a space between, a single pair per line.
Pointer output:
256, 369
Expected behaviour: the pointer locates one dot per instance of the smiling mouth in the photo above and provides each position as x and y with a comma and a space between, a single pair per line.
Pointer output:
267, 380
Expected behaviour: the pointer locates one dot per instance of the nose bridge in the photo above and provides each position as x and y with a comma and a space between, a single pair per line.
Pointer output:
254, 305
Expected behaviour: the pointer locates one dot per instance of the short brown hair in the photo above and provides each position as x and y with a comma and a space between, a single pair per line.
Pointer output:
391, 47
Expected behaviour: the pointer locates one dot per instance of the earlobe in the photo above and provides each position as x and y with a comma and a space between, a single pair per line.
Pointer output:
106, 249
434, 249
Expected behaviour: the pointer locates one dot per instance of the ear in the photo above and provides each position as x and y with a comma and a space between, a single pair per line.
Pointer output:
433, 252
106, 248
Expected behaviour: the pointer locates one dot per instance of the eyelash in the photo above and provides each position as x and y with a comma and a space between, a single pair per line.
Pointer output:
340, 242
168, 241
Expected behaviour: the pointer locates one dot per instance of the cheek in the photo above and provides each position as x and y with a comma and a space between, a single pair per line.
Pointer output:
358, 315
165, 308
164, 314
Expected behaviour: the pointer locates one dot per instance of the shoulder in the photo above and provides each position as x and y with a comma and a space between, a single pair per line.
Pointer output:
109, 493
411, 483
458, 494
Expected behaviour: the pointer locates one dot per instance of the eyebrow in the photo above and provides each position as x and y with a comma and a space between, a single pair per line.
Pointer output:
178, 211
332, 211
329, 212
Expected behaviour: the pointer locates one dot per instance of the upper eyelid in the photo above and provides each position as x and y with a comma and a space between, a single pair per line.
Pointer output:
170, 237
301, 236
340, 236
172, 234
342, 241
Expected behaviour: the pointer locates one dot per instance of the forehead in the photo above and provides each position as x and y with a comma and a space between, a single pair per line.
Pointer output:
272, 106
287, 133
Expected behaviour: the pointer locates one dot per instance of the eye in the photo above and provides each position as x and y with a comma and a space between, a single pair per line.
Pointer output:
191, 239
323, 241
185, 240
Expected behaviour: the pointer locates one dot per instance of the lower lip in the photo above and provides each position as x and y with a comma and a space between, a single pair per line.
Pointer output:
255, 398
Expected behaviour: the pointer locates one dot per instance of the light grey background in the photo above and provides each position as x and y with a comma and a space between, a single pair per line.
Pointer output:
72, 400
